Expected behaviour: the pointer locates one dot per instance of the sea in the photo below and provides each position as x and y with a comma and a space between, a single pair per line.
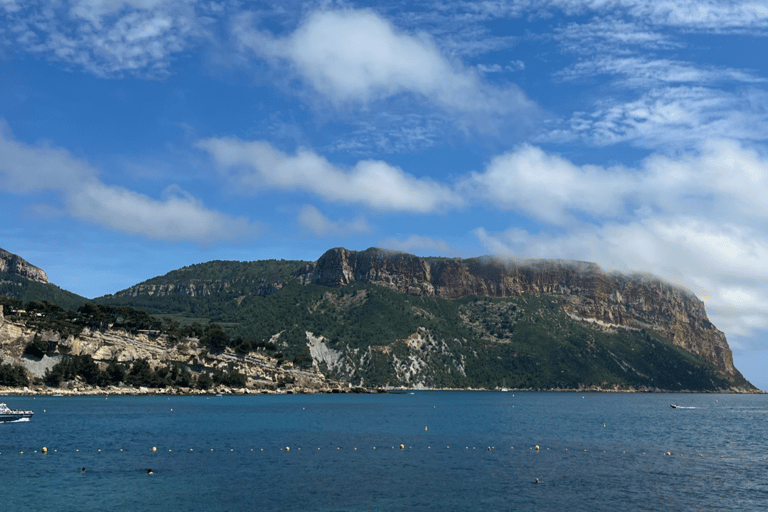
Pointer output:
410, 451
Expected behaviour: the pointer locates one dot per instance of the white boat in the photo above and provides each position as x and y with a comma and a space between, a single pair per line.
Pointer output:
8, 414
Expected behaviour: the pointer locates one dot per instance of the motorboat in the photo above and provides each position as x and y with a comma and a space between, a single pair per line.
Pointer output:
8, 414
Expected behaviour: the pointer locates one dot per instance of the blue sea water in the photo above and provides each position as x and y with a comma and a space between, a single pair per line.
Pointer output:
461, 451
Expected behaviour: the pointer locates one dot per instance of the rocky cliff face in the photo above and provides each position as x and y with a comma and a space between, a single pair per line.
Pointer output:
17, 265
262, 372
606, 299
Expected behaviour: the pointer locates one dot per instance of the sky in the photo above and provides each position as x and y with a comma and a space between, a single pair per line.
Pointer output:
140, 136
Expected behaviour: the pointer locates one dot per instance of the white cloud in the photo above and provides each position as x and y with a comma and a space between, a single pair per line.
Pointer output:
726, 267
25, 168
678, 96
10, 5
256, 165
358, 56
716, 15
644, 72
109, 37
549, 187
95, 10
697, 219
721, 177
319, 225
610, 35
28, 169
670, 116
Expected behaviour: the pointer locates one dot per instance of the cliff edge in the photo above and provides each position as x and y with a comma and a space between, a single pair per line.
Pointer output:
16, 265
607, 299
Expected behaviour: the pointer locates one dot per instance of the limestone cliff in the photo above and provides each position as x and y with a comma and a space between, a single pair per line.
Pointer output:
263, 373
16, 265
606, 299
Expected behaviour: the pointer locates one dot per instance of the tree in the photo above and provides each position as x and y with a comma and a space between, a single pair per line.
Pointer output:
204, 381
115, 373
215, 338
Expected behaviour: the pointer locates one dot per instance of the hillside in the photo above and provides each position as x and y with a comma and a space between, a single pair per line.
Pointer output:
23, 281
378, 318
46, 349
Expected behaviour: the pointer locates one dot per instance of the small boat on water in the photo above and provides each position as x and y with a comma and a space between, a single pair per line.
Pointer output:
8, 414
674, 406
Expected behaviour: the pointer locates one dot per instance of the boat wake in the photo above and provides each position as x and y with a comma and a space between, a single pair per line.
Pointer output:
20, 420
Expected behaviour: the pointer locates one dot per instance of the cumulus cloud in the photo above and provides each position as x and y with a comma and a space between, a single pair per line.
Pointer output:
319, 225
548, 187
178, 216
257, 165
359, 56
721, 177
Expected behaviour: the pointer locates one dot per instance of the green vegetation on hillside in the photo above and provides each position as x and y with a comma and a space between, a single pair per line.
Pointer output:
24, 290
522, 342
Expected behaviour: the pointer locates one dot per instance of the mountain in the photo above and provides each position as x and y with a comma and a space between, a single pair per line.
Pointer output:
25, 282
387, 318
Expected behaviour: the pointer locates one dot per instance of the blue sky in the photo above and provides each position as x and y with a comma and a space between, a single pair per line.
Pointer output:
139, 136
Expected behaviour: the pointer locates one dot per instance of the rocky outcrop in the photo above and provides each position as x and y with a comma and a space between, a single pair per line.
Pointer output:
18, 266
193, 289
613, 299
263, 373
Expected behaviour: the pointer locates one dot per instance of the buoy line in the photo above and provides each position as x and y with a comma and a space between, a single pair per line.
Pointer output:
537, 449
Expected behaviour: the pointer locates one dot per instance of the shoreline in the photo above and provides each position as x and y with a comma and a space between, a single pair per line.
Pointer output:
121, 391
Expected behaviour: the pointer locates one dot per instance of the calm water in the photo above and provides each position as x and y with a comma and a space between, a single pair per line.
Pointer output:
229, 453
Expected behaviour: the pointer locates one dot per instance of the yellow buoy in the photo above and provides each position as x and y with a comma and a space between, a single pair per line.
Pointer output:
44, 450
287, 448
425, 428
536, 448
154, 448
402, 446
